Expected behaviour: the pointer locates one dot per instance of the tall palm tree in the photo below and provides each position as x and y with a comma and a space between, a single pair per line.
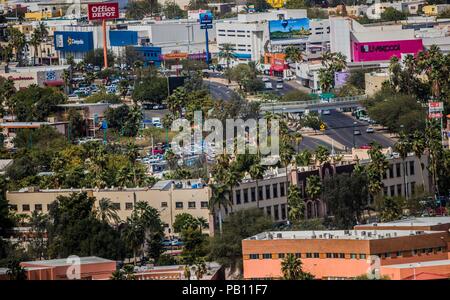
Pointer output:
295, 203
42, 32
256, 172
200, 269
107, 212
303, 158
313, 187
403, 147
134, 234
227, 53
35, 41
321, 154
418, 147
17, 41
219, 198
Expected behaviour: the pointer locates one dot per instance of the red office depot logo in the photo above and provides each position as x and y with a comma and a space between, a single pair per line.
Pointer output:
103, 11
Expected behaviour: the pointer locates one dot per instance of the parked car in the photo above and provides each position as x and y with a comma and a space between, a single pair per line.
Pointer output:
370, 130
356, 132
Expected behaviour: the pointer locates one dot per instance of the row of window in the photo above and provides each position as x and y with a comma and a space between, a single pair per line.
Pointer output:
276, 211
264, 193
307, 255
342, 255
409, 168
398, 190
117, 205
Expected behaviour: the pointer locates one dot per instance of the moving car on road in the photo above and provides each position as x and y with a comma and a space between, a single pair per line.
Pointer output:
356, 132
370, 130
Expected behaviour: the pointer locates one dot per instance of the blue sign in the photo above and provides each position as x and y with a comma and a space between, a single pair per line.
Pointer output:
121, 38
74, 41
206, 18
104, 124
289, 29
206, 26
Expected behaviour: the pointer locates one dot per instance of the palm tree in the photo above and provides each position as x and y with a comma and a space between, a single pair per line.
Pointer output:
286, 154
295, 203
16, 271
134, 234
418, 147
118, 275
200, 269
227, 53
128, 272
256, 172
303, 158
294, 55
219, 198
321, 154
35, 42
107, 212
313, 187
17, 41
42, 32
403, 146
187, 272
291, 267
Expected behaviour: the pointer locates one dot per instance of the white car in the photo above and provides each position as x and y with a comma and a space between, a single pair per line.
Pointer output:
279, 86
325, 112
265, 79
370, 130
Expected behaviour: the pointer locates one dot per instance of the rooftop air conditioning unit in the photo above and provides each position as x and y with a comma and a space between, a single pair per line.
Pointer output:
363, 233
369, 234
279, 235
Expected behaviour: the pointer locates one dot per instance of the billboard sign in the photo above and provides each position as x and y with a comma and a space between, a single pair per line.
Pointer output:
340, 78
206, 18
103, 11
436, 106
289, 29
74, 41
379, 51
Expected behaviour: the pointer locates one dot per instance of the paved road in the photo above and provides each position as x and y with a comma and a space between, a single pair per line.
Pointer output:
340, 128
219, 91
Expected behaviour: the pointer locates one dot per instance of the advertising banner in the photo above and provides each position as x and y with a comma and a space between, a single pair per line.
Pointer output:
103, 11
73, 41
289, 29
121, 38
379, 51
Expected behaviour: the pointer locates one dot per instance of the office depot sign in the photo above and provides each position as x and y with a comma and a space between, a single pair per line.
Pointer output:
103, 11
376, 51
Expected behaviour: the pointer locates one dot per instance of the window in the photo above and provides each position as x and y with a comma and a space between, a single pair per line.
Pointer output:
414, 252
391, 171
413, 188
269, 210
283, 211
48, 207
399, 253
282, 190
116, 205
179, 205
38, 207
245, 195
25, 207
411, 168
267, 191
164, 204
362, 256
398, 170
387, 254
335, 255
308, 255
260, 193
281, 255
204, 204
385, 175
267, 256
328, 255
316, 255
238, 196
128, 206
191, 204
276, 213
275, 190
353, 255
399, 189
385, 191
341, 255
254, 256
13, 207
253, 194
392, 188
298, 255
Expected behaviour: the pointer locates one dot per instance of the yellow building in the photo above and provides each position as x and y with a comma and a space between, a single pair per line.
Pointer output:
42, 15
434, 10
276, 3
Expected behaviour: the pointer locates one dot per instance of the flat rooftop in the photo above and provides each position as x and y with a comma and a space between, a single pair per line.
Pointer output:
421, 221
432, 263
68, 262
337, 234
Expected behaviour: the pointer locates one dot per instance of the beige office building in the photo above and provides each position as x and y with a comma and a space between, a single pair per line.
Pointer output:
169, 198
